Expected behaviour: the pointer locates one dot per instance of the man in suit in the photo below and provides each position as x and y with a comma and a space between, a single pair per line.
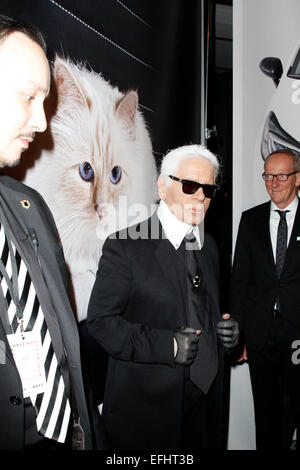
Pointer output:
42, 401
266, 301
155, 308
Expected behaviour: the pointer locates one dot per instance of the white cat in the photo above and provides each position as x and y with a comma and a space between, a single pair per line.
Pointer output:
101, 164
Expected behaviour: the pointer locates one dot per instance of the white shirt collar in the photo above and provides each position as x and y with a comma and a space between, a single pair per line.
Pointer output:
174, 228
292, 207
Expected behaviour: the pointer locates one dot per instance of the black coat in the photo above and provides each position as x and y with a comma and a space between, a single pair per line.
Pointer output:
136, 304
38, 217
255, 285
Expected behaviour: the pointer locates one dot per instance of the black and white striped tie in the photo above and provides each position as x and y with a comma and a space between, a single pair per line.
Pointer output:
52, 407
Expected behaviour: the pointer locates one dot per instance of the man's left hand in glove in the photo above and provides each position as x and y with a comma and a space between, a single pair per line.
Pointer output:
228, 331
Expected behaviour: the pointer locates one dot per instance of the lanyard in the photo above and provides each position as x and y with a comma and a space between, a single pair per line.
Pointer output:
38, 281
12, 284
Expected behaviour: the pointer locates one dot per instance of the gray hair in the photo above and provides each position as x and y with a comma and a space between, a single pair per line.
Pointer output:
172, 160
286, 151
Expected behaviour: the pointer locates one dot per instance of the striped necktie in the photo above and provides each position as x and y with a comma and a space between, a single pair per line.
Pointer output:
52, 407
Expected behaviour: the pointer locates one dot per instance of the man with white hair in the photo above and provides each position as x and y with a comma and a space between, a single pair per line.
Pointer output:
155, 309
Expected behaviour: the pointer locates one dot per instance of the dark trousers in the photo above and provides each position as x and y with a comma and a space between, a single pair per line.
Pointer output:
275, 387
201, 420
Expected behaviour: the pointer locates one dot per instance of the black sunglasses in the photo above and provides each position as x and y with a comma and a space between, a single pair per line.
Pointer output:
191, 187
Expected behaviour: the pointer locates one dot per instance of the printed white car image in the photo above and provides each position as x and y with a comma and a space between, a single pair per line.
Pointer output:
282, 125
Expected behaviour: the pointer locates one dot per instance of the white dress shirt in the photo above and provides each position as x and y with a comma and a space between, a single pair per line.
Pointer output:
275, 218
174, 228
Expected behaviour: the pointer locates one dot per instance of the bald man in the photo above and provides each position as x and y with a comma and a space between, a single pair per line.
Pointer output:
266, 300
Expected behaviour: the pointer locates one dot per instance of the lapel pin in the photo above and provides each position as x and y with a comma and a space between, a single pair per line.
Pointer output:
298, 239
25, 203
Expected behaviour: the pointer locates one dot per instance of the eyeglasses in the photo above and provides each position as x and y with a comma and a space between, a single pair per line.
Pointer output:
280, 177
191, 187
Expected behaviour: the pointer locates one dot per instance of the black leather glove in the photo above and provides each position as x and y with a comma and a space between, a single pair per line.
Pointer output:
187, 345
228, 332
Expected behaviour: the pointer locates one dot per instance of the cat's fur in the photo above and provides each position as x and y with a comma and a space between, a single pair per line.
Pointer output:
95, 123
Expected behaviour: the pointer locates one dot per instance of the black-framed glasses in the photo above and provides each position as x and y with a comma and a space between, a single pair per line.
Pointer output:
191, 187
280, 177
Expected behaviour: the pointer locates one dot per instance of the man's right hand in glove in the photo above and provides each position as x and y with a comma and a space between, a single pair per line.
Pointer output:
185, 345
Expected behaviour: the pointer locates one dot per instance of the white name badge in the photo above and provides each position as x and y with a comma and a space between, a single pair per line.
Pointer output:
27, 353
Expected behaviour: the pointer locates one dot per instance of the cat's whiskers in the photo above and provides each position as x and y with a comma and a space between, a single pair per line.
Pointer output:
71, 228
71, 241
69, 217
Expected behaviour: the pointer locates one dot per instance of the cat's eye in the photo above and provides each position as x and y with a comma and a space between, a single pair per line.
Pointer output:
115, 174
86, 171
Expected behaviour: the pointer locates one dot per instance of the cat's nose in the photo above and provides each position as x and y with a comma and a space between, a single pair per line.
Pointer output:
98, 211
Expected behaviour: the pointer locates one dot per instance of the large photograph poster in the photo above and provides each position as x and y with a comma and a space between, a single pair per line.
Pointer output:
168, 112
268, 28
117, 105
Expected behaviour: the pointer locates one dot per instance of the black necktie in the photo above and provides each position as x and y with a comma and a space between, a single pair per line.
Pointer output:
205, 366
281, 243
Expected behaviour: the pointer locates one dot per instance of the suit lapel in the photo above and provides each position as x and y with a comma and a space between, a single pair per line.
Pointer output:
166, 257
293, 243
209, 277
22, 208
264, 235
4, 346
24, 214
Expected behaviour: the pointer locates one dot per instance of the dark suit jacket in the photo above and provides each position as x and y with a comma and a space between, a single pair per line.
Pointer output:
38, 217
255, 286
136, 304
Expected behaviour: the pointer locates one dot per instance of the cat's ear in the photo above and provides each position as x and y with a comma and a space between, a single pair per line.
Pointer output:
69, 90
126, 108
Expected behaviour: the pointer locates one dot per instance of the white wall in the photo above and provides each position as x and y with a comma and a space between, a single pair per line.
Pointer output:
261, 28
